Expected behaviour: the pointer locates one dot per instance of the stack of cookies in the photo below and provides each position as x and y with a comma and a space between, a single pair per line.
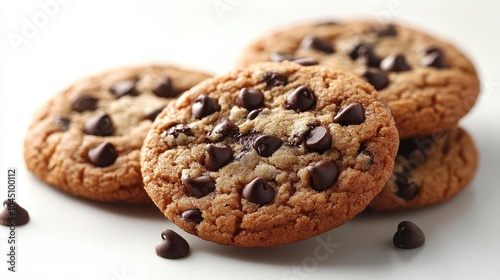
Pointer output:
317, 123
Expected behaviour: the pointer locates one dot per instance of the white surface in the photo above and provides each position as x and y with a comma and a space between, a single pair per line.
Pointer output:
70, 238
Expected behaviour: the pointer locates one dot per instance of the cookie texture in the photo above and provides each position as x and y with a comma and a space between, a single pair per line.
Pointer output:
427, 83
86, 140
429, 170
269, 154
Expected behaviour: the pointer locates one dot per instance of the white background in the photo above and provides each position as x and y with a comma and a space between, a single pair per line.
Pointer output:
71, 238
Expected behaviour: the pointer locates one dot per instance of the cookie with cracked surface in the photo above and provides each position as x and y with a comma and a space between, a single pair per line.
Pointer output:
87, 139
269, 154
429, 170
427, 83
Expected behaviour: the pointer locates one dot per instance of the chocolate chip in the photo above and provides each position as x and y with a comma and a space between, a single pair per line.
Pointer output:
193, 215
13, 214
173, 246
204, 106
323, 175
353, 54
350, 115
377, 78
250, 98
178, 129
217, 156
165, 88
153, 114
306, 61
62, 122
246, 141
434, 58
254, 113
312, 42
319, 139
274, 79
259, 191
386, 31
84, 103
408, 236
406, 190
103, 155
301, 99
266, 145
99, 124
226, 127
122, 88
366, 56
395, 63
280, 56
199, 187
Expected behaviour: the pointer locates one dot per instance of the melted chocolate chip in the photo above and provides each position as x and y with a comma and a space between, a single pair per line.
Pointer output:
434, 58
406, 190
246, 141
217, 156
165, 88
99, 124
408, 236
266, 145
62, 123
281, 56
394, 63
312, 42
306, 61
13, 214
84, 103
103, 155
199, 187
178, 129
319, 139
386, 31
226, 127
193, 215
204, 106
274, 79
259, 191
301, 99
122, 88
172, 246
153, 114
323, 175
366, 56
250, 98
254, 113
350, 115
377, 78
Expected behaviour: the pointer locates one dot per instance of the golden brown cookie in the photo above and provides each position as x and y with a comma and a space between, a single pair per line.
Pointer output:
269, 154
86, 140
428, 83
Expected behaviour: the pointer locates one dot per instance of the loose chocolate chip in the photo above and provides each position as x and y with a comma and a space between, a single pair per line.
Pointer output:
250, 98
266, 145
99, 124
226, 127
13, 214
103, 155
122, 88
350, 115
386, 31
165, 88
301, 99
306, 61
281, 56
62, 122
319, 139
84, 103
395, 63
434, 58
377, 78
173, 246
366, 56
254, 113
153, 114
217, 156
406, 190
193, 215
323, 175
204, 106
259, 191
312, 42
274, 79
408, 236
199, 187
178, 129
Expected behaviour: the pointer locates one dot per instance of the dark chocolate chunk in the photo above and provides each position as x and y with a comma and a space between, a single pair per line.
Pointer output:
281, 56
62, 122
178, 129
217, 156
274, 79
226, 127
122, 88
266, 145
153, 114
301, 99
408, 236
366, 56
99, 124
312, 42
173, 246
199, 187
306, 61
254, 113
395, 63
350, 115
204, 106
13, 214
406, 190
250, 98
353, 54
386, 31
259, 191
319, 139
434, 58
165, 88
377, 78
193, 215
323, 175
103, 155
84, 103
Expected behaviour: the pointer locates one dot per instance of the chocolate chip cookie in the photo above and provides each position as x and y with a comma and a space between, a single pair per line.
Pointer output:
86, 140
269, 154
427, 83
429, 170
